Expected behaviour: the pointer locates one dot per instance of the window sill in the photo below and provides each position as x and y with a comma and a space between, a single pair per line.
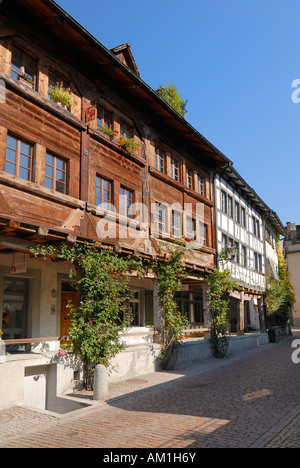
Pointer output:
114, 144
39, 190
36, 98
168, 180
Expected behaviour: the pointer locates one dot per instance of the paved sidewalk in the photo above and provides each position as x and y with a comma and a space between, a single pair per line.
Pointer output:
249, 400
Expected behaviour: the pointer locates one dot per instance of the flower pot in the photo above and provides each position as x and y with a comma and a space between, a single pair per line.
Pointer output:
61, 105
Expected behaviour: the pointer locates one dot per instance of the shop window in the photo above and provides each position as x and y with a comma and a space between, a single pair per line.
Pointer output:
190, 304
14, 318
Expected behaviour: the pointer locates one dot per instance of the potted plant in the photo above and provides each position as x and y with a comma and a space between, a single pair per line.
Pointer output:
107, 130
26, 80
129, 145
62, 96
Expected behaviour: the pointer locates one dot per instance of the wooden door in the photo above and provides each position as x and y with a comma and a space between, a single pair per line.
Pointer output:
65, 317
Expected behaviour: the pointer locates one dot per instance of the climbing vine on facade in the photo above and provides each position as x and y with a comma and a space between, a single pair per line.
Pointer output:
280, 298
219, 284
170, 274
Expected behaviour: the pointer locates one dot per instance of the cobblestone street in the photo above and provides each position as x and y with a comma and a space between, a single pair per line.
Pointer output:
246, 403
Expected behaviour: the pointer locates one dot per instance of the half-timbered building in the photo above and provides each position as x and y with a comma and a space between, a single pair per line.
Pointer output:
246, 243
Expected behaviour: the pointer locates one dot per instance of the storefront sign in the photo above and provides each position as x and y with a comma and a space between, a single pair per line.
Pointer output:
18, 268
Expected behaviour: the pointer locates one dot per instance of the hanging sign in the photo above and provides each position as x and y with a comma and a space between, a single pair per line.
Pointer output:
90, 114
18, 268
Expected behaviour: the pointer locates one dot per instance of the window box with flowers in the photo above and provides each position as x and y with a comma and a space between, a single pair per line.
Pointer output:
62, 96
130, 145
26, 80
107, 130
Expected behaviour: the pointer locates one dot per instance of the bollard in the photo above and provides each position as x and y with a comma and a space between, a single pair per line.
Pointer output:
2, 351
100, 383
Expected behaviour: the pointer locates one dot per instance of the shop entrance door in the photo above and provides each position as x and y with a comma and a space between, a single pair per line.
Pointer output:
67, 297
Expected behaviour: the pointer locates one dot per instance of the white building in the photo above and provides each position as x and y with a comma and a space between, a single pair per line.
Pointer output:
246, 230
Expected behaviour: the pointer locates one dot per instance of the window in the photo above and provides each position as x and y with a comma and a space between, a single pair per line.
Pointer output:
104, 118
189, 178
160, 217
160, 158
230, 206
176, 223
254, 225
55, 79
224, 241
257, 229
190, 228
202, 233
190, 304
56, 173
103, 192
237, 252
18, 158
22, 64
175, 169
126, 200
224, 202
201, 185
257, 262
244, 256
243, 217
237, 217
126, 131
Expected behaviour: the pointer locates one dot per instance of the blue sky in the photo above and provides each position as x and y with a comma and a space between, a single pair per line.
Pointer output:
234, 61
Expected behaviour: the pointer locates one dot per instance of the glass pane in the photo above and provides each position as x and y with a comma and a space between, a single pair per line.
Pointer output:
49, 171
11, 155
98, 181
60, 176
98, 192
106, 185
49, 159
25, 161
48, 183
24, 173
60, 187
16, 61
60, 164
30, 67
11, 142
25, 148
10, 168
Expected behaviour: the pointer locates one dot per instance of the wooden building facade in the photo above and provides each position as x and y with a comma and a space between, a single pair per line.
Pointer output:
68, 174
